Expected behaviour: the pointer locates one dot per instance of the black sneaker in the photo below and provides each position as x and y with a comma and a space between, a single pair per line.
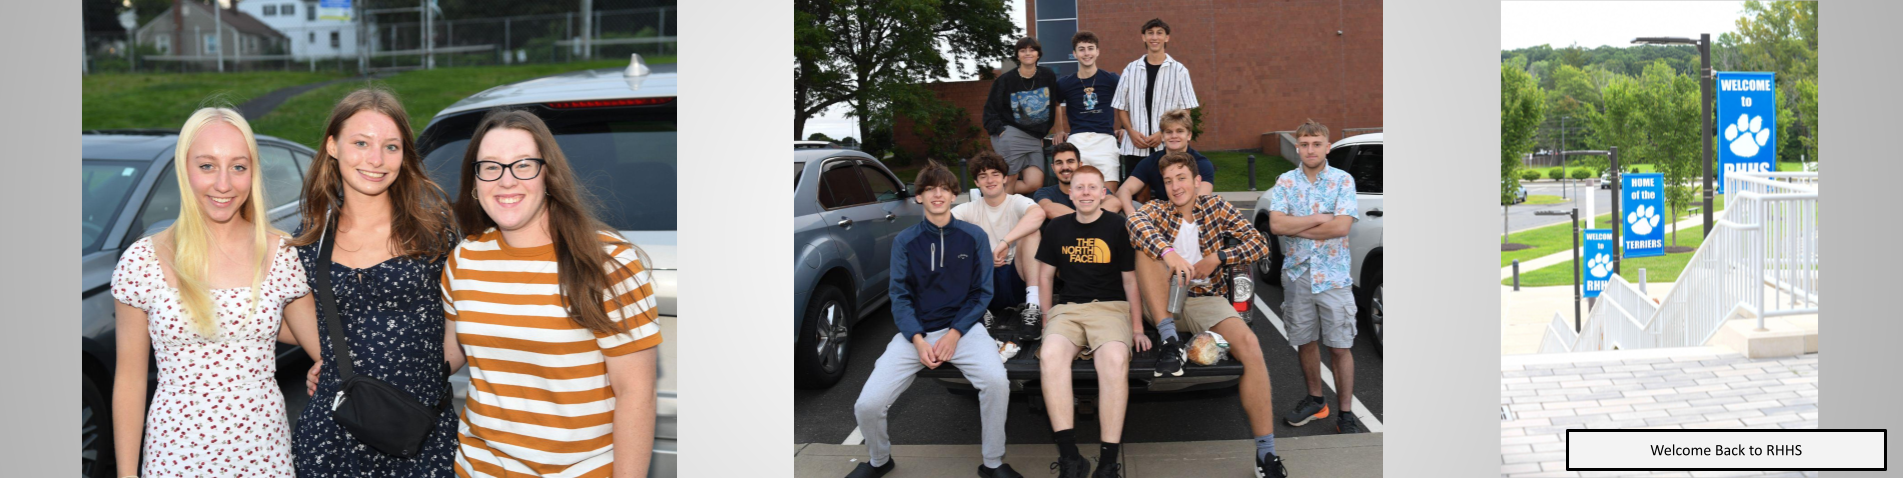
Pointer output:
1108, 470
1031, 316
1347, 423
1170, 358
1307, 410
1270, 469
866, 470
1002, 471
1071, 467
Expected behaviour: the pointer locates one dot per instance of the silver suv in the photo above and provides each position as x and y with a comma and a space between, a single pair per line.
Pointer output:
617, 128
1360, 156
847, 209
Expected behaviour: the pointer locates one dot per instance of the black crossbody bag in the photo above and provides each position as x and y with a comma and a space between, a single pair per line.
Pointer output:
374, 411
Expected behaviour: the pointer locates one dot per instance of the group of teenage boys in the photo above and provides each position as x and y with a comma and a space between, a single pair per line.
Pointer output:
1117, 241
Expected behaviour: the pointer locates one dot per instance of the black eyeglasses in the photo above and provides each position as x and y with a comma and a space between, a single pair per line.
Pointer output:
523, 169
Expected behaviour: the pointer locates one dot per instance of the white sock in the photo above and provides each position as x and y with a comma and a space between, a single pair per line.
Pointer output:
1030, 295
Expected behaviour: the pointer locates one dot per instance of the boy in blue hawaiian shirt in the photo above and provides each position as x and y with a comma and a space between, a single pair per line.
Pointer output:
1312, 208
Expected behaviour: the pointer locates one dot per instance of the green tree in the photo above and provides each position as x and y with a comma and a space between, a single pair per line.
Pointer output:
866, 53
1672, 124
818, 136
1619, 121
1522, 108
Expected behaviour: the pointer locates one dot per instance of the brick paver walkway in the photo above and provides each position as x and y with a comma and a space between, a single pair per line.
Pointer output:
1694, 388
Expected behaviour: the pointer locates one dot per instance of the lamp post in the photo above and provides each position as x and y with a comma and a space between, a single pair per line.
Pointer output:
1562, 156
1704, 103
1574, 214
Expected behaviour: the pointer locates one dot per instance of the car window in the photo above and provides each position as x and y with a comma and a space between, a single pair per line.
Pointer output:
884, 188
282, 183
303, 161
798, 167
626, 158
841, 185
105, 185
161, 205
1365, 167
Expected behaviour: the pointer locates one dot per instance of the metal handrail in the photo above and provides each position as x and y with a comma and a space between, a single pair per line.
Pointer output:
1766, 245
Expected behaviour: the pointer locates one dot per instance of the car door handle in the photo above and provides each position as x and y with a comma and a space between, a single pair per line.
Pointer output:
891, 217
845, 222
1375, 212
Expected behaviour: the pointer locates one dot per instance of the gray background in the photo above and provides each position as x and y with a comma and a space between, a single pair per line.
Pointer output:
735, 414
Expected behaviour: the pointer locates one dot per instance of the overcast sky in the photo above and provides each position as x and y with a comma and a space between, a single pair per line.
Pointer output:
1593, 24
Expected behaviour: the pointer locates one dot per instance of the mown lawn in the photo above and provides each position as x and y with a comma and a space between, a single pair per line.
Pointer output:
164, 100
1558, 237
423, 92
1663, 268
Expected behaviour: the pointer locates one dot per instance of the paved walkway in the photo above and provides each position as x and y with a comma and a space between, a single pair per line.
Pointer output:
1347, 456
258, 107
1694, 387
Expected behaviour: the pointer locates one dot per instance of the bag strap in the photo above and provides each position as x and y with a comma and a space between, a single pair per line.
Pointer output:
334, 323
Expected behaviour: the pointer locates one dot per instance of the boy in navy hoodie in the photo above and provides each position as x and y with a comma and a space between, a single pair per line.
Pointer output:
941, 281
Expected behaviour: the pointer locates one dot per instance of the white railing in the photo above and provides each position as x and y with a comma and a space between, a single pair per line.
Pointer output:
1761, 257
1559, 336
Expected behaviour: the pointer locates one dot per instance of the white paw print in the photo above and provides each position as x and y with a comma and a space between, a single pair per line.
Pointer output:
1600, 265
1747, 136
1643, 220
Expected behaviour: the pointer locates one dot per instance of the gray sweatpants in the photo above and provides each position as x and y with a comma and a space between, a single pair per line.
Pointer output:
977, 357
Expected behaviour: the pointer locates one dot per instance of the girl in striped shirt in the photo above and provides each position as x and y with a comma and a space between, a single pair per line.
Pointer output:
555, 313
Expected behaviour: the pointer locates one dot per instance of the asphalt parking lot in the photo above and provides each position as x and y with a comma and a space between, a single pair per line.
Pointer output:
927, 414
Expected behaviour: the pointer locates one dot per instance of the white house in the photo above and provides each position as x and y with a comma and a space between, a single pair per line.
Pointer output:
309, 36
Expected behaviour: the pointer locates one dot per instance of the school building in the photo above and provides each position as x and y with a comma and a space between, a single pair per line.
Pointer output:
1258, 67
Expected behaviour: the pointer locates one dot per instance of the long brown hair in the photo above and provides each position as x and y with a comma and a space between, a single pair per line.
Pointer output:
581, 261
417, 219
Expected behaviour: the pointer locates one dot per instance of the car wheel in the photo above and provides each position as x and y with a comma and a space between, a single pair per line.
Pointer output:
1269, 268
1369, 312
95, 433
825, 339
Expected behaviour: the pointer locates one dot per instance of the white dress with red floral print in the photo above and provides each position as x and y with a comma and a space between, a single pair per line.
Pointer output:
217, 411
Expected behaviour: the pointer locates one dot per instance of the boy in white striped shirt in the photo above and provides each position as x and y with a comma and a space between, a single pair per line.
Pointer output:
1151, 85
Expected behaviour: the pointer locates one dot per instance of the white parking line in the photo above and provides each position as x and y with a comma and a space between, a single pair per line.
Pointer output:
855, 438
1328, 377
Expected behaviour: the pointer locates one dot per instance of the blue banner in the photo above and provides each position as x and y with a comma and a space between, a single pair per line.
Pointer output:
333, 10
1642, 214
1747, 123
1596, 271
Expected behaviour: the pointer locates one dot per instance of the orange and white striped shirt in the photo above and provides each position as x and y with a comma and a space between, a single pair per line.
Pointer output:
540, 403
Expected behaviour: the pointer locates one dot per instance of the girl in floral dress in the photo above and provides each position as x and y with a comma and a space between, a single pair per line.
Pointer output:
206, 297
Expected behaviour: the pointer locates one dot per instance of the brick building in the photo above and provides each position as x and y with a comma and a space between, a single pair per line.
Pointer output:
1258, 66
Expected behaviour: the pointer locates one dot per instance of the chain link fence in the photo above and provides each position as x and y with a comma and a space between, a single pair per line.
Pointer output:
400, 44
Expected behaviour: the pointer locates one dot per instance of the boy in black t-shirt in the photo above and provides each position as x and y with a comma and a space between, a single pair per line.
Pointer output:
1098, 315
1055, 198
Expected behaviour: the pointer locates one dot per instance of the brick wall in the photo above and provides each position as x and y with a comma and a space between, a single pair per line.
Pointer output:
1258, 66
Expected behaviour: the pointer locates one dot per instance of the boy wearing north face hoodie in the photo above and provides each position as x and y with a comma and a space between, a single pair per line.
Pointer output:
941, 281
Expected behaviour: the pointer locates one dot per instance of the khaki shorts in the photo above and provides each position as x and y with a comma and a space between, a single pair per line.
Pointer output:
1200, 313
1328, 316
1092, 324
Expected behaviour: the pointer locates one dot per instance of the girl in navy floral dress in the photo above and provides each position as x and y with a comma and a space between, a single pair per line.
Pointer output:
392, 235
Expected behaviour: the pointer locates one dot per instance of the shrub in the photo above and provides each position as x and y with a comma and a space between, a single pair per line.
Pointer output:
1530, 175
1556, 174
1581, 174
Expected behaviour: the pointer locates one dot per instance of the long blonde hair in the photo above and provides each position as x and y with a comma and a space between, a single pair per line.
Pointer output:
191, 233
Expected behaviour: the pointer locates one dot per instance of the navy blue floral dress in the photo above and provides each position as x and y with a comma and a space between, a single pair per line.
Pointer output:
393, 318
